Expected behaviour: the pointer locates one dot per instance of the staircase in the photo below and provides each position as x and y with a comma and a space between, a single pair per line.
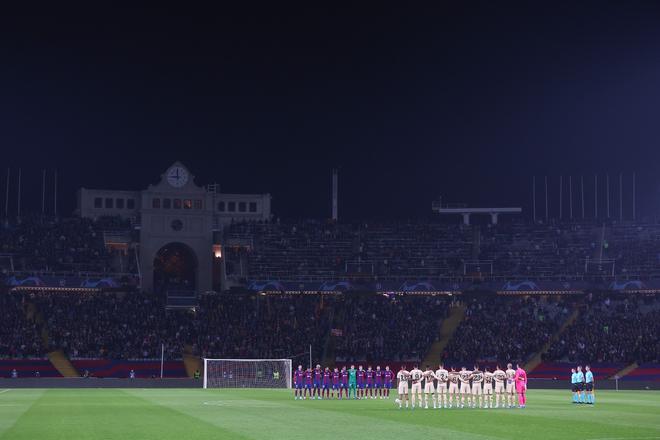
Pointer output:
628, 369
59, 360
191, 362
329, 347
62, 364
537, 358
447, 329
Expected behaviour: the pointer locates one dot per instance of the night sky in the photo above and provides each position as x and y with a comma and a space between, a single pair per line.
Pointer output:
467, 101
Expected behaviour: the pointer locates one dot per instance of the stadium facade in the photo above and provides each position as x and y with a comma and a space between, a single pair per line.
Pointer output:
176, 215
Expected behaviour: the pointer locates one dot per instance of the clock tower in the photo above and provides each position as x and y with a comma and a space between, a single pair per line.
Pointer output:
177, 224
180, 225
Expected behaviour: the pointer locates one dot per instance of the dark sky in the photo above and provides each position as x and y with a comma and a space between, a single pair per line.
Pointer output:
466, 100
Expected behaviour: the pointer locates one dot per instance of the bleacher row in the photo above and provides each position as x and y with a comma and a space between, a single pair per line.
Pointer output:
307, 251
317, 251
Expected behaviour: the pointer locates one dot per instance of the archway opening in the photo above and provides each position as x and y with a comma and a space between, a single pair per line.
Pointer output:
175, 268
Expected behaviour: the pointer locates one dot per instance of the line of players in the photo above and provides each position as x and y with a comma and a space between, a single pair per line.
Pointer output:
470, 393
342, 384
460, 388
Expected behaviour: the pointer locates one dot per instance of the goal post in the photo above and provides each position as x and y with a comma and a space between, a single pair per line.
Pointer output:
247, 373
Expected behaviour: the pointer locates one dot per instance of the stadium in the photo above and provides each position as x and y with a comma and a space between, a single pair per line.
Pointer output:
325, 293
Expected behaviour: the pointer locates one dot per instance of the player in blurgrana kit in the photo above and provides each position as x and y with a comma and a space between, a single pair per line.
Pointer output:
402, 376
500, 377
477, 379
308, 383
343, 386
429, 388
453, 387
299, 379
327, 383
464, 377
336, 380
361, 375
378, 382
416, 388
441, 391
388, 378
370, 393
318, 381
510, 385
488, 388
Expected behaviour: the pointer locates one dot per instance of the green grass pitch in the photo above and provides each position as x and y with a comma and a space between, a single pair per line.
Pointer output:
163, 414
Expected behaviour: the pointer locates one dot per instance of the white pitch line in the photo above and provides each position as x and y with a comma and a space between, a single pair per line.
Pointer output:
4, 391
625, 438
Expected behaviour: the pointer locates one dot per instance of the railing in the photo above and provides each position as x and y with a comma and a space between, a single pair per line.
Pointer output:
439, 205
291, 277
69, 274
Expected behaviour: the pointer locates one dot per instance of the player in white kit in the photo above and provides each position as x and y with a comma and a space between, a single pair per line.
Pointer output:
510, 385
402, 376
488, 388
416, 376
477, 379
441, 389
464, 377
453, 387
429, 388
500, 376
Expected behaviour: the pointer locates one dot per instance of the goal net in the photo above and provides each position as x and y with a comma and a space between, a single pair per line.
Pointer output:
247, 373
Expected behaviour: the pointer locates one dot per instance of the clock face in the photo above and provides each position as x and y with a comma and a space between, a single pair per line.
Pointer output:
176, 225
177, 176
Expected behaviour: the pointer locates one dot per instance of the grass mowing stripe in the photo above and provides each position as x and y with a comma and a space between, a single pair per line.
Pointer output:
246, 414
60, 415
193, 414
14, 405
505, 423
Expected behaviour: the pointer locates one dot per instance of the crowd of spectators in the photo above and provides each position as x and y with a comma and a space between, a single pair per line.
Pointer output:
114, 326
134, 325
391, 328
255, 326
351, 327
505, 328
58, 244
19, 333
619, 330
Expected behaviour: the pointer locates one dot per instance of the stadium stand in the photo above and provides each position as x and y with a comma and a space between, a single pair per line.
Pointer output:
618, 330
19, 334
108, 330
504, 328
391, 328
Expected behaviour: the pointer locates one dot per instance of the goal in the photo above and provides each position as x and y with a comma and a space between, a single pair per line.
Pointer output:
247, 373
